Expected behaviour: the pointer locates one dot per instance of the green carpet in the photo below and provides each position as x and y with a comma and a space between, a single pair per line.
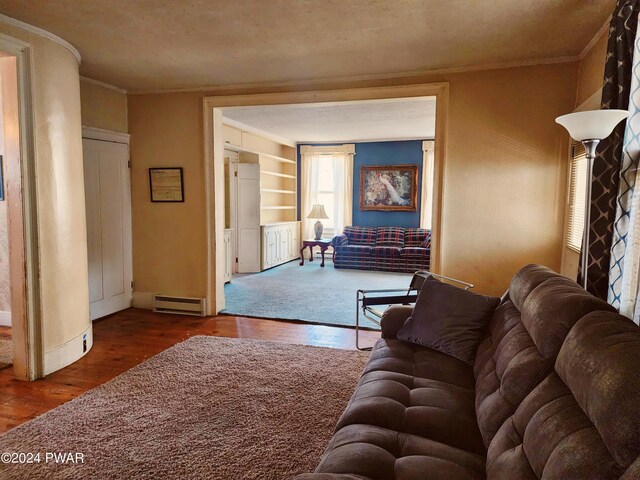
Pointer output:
308, 293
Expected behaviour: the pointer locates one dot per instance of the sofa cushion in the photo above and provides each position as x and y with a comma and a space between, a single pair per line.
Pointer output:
510, 362
386, 251
413, 237
582, 420
449, 319
414, 252
361, 235
381, 454
419, 391
354, 249
390, 236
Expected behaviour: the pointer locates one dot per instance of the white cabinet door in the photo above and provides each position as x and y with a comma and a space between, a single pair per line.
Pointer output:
248, 217
108, 209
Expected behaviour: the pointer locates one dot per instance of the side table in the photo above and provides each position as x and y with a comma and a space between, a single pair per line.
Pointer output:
323, 243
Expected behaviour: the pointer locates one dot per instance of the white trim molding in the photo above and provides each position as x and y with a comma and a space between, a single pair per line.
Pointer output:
5, 319
43, 33
93, 133
102, 84
348, 148
69, 352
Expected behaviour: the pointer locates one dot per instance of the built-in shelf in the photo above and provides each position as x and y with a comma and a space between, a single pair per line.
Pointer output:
238, 148
278, 207
277, 174
275, 190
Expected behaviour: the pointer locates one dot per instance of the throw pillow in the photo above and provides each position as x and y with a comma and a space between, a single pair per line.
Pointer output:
426, 243
448, 319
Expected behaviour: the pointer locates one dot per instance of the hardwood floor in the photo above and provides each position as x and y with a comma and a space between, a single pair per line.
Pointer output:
126, 339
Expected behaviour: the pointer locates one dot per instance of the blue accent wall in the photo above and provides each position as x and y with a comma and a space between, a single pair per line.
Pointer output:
382, 153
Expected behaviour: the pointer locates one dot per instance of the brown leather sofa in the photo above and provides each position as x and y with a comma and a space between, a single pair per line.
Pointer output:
554, 393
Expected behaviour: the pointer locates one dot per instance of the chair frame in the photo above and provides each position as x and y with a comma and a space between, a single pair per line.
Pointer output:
368, 299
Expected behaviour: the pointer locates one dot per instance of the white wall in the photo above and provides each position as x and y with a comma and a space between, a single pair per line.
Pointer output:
5, 294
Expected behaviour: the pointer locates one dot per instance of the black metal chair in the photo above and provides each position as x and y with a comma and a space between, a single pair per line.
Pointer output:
368, 300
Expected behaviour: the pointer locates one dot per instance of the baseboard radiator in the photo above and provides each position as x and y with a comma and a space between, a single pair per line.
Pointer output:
180, 305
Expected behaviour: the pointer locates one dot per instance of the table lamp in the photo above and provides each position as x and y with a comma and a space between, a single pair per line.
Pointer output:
589, 127
318, 213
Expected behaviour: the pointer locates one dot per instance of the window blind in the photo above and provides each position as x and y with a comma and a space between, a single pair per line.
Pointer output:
577, 192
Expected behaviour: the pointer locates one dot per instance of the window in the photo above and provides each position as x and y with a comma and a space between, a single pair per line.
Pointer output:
326, 191
577, 192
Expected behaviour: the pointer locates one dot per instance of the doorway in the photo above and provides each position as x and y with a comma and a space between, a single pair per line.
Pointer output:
214, 127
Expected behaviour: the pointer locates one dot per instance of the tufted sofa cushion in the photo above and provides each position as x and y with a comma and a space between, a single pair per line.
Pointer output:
582, 421
522, 345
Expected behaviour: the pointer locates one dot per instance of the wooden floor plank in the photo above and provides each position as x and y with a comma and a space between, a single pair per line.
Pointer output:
128, 338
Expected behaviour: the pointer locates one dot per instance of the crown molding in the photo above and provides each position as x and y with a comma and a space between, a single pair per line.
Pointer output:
43, 33
211, 89
102, 84
601, 31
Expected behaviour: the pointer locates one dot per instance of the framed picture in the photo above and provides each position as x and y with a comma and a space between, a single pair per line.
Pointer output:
166, 184
1, 179
391, 187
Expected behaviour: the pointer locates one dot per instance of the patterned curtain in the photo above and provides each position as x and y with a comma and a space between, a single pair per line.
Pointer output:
625, 249
608, 163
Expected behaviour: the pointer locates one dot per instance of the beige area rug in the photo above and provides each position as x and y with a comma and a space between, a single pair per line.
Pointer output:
214, 408
6, 353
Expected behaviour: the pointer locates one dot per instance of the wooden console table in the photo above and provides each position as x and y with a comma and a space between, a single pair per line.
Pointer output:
323, 243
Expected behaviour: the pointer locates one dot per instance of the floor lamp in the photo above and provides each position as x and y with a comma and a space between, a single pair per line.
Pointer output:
589, 127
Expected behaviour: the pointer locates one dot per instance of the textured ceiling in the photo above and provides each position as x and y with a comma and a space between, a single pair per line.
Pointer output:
168, 44
397, 119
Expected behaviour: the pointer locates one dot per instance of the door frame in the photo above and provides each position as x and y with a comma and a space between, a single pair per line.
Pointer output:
214, 162
26, 314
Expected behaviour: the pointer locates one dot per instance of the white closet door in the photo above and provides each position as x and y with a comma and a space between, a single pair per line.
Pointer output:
108, 203
248, 217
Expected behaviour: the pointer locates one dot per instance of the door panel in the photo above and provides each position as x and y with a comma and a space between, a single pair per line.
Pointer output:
108, 206
248, 217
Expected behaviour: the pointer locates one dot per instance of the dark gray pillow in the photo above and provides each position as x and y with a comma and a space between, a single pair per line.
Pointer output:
448, 319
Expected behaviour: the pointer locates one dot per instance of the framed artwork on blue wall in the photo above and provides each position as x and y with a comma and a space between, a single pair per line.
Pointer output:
1, 179
390, 187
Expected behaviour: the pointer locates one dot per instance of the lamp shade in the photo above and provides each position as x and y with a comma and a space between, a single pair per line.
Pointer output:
591, 124
318, 212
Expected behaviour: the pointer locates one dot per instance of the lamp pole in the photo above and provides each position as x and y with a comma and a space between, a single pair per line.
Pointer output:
590, 153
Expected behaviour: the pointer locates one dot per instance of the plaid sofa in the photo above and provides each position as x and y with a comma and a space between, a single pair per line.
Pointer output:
390, 249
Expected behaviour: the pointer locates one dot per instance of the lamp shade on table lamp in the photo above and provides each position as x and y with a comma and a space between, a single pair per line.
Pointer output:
318, 213
589, 127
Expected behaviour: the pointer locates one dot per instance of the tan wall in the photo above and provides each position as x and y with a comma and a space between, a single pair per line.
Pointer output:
103, 107
591, 70
169, 245
503, 192
62, 241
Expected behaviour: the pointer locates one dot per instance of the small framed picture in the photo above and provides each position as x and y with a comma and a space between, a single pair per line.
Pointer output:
166, 184
1, 179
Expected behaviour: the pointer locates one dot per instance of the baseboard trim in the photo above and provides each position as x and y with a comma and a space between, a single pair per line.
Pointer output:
143, 300
5, 319
69, 352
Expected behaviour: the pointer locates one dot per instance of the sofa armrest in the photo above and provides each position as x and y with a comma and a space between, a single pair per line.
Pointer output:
339, 240
393, 318
330, 476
